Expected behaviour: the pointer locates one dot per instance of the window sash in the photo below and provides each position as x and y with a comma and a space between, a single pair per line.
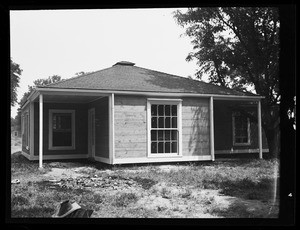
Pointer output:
163, 126
241, 129
61, 129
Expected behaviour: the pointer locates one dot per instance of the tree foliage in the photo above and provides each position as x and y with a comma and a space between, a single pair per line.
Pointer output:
238, 47
15, 72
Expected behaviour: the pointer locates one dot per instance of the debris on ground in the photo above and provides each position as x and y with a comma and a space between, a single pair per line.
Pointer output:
15, 181
66, 209
93, 182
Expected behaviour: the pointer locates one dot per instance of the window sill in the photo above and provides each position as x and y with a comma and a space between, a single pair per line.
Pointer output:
161, 155
62, 148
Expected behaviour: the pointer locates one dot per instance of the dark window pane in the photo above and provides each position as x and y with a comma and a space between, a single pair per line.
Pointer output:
161, 122
167, 110
167, 122
160, 135
154, 110
160, 147
174, 147
154, 122
167, 135
174, 135
174, 122
167, 147
160, 110
62, 139
174, 110
153, 135
154, 147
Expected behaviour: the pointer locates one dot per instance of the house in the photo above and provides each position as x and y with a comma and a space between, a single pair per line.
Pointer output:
128, 114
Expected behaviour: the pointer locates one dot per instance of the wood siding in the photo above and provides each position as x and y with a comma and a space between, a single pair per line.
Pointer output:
223, 127
25, 109
101, 129
195, 127
130, 126
80, 128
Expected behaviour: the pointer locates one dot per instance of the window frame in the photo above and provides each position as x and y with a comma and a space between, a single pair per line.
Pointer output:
25, 120
156, 101
66, 111
235, 114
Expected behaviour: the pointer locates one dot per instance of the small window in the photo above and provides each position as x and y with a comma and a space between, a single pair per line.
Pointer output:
164, 127
61, 129
241, 129
25, 130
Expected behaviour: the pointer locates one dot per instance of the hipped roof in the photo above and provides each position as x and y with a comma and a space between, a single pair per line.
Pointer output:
125, 76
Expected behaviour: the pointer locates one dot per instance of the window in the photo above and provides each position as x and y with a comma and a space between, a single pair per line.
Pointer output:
25, 130
61, 129
164, 126
241, 129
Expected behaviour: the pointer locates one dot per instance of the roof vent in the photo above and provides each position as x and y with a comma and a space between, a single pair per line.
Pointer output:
124, 63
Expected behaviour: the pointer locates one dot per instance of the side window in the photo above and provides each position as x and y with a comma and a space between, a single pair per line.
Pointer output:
241, 129
61, 129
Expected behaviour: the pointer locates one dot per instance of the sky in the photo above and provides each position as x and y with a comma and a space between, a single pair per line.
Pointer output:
64, 42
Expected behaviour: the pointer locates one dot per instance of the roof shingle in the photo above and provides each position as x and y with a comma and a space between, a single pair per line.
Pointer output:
124, 76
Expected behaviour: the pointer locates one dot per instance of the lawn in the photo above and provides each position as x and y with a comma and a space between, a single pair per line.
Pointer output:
235, 188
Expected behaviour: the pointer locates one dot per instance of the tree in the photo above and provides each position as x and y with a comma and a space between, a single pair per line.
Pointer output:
239, 47
15, 72
38, 82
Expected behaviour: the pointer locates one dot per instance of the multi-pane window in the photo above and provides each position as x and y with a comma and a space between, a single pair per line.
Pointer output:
241, 129
164, 132
62, 129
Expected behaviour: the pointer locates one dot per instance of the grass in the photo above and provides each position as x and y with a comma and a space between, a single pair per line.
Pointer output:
177, 192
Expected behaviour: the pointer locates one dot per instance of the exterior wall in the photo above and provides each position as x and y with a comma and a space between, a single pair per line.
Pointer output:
223, 127
25, 109
130, 126
101, 129
80, 128
195, 127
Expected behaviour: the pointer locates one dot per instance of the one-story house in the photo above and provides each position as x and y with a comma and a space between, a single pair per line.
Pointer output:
128, 114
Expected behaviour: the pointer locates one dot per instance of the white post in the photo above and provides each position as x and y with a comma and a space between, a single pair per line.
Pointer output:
211, 119
259, 129
41, 133
111, 102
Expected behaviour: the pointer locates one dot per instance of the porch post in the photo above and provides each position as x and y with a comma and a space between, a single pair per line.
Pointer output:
111, 103
259, 129
41, 132
211, 119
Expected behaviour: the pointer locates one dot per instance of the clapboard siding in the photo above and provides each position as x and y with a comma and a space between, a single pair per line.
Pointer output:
130, 126
195, 127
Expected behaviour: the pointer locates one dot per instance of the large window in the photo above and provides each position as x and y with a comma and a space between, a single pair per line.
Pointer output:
241, 129
164, 127
61, 129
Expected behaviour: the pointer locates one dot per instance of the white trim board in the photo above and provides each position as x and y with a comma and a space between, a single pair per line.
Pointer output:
134, 160
102, 159
144, 93
26, 155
